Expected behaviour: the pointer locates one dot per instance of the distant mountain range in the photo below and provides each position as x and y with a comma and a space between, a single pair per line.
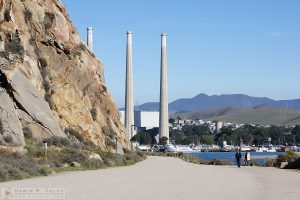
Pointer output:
263, 115
204, 102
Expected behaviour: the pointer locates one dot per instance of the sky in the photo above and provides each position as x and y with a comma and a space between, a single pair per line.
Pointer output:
213, 46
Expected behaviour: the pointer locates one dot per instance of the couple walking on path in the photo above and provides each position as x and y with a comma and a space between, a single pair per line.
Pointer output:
238, 157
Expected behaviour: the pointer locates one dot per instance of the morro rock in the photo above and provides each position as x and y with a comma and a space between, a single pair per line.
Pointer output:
50, 82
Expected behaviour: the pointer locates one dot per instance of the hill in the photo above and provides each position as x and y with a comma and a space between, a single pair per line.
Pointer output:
263, 115
203, 101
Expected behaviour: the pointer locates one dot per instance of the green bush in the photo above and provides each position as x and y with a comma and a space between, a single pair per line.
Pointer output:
288, 156
34, 148
58, 141
54, 157
45, 171
76, 134
109, 162
220, 162
107, 130
76, 145
27, 165
118, 160
69, 155
27, 132
270, 163
254, 163
163, 141
48, 20
14, 46
93, 164
16, 173
128, 156
4, 175
110, 142
141, 154
82, 47
17, 166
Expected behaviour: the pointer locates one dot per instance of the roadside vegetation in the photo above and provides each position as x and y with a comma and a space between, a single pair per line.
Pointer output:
288, 160
62, 155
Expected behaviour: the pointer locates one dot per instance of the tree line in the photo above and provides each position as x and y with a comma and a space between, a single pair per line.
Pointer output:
249, 134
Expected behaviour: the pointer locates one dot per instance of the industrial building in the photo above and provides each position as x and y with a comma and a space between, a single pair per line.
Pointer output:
144, 120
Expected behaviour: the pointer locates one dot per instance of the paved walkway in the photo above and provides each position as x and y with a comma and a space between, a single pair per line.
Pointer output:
159, 178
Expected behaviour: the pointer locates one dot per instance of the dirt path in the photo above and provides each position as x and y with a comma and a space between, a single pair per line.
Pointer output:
160, 178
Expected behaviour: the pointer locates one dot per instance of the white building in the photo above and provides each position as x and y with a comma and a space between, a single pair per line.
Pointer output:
219, 126
146, 119
143, 119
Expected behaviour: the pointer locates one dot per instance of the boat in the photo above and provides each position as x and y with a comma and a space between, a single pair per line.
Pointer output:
266, 149
246, 148
271, 149
144, 147
179, 148
170, 148
183, 148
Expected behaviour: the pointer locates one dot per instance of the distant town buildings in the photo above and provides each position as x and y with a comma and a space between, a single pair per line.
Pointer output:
145, 120
215, 126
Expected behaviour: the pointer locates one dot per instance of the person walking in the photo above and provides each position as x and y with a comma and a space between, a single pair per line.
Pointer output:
247, 159
238, 157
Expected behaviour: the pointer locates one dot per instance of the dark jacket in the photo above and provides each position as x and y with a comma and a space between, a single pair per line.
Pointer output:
238, 155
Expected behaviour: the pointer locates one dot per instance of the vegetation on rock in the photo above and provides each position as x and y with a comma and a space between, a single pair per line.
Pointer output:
76, 134
61, 156
27, 15
94, 113
290, 157
27, 131
163, 140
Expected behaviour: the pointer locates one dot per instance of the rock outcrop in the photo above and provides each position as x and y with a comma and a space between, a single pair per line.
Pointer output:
50, 83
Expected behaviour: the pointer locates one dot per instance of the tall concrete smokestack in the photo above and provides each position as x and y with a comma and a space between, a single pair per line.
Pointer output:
164, 111
129, 107
90, 38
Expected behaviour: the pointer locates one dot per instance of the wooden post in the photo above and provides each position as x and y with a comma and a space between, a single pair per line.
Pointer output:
116, 145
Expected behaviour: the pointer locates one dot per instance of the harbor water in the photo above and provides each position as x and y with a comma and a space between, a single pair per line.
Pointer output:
259, 157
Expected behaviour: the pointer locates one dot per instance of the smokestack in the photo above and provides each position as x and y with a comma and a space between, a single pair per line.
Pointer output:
90, 38
129, 107
164, 111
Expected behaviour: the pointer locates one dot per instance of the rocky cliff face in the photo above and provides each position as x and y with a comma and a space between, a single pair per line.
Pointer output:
50, 83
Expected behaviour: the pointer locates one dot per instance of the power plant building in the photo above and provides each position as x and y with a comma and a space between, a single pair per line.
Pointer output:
144, 120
